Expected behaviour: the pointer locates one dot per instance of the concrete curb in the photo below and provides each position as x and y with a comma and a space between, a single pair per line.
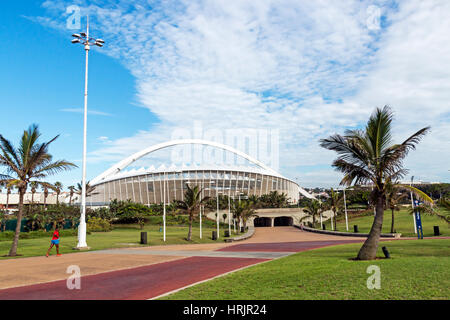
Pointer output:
347, 234
250, 232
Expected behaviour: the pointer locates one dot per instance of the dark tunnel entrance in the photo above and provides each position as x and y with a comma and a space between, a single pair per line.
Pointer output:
261, 222
283, 221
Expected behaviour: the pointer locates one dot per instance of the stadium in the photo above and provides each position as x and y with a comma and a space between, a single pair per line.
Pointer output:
167, 183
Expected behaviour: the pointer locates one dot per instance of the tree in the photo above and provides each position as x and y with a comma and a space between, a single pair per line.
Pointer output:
8, 192
393, 200
29, 162
71, 192
248, 211
191, 204
238, 208
369, 156
3, 218
45, 196
336, 200
33, 185
313, 209
58, 188
90, 190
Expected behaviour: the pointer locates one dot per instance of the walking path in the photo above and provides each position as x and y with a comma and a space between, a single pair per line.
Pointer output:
144, 273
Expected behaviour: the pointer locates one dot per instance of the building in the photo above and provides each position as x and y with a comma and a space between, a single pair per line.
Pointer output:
12, 200
154, 185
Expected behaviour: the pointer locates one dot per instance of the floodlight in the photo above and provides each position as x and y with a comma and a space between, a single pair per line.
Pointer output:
76, 40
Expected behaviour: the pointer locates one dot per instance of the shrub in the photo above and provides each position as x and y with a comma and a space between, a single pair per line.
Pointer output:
96, 224
9, 235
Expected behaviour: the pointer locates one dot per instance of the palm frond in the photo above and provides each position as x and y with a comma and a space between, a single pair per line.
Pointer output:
417, 192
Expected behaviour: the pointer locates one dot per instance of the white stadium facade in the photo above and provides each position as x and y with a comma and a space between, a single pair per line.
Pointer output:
167, 183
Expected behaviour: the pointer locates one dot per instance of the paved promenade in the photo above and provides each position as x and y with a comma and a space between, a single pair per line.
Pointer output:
145, 273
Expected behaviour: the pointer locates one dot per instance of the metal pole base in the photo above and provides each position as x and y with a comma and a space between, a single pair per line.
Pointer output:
82, 248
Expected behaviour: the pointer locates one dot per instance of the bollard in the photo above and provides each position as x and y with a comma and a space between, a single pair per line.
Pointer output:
355, 228
324, 227
143, 237
386, 252
242, 229
214, 235
436, 231
227, 234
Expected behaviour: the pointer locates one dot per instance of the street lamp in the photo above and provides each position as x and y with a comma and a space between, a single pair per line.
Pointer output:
87, 42
412, 205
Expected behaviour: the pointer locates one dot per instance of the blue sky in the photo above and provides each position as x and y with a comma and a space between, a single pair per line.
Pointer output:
43, 74
305, 69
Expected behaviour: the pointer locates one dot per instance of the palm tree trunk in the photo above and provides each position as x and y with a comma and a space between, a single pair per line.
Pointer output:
369, 249
13, 251
392, 223
190, 228
335, 221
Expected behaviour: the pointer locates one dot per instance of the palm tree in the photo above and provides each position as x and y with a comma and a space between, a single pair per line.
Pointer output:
33, 185
238, 208
89, 189
45, 197
336, 200
58, 187
29, 162
313, 209
3, 218
248, 212
71, 192
191, 204
8, 192
369, 156
393, 199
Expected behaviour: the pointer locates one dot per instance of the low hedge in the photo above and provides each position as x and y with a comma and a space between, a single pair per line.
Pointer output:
9, 235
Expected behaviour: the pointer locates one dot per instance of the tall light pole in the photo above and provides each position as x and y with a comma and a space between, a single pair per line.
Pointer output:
164, 209
229, 215
217, 218
412, 205
298, 200
345, 209
84, 39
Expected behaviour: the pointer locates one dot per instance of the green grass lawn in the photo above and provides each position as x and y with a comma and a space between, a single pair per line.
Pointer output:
403, 223
121, 236
418, 269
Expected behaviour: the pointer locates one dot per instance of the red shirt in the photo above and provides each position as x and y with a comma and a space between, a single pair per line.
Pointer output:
55, 235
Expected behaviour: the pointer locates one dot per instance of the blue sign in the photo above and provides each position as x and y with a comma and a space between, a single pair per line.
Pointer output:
418, 221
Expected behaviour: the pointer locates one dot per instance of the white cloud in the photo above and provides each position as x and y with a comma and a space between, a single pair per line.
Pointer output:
90, 111
307, 68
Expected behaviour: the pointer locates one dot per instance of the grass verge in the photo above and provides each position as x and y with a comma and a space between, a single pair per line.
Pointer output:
403, 223
419, 269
